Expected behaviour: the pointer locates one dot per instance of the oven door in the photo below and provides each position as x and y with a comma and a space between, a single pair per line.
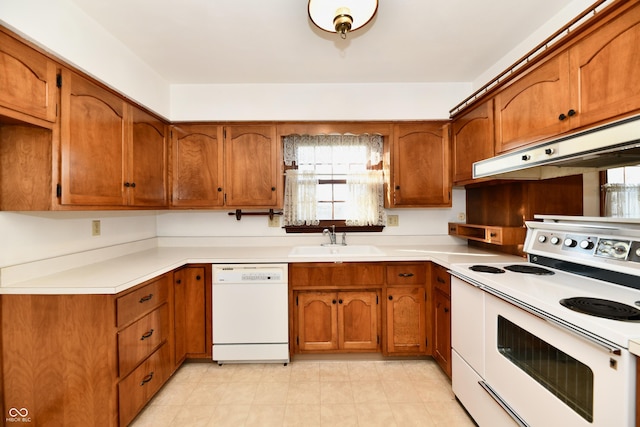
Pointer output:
551, 376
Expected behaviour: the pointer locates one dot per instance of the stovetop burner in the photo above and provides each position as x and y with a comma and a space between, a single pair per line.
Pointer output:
486, 269
529, 269
602, 308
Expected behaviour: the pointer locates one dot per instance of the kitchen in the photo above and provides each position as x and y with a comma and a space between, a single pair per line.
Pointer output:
37, 236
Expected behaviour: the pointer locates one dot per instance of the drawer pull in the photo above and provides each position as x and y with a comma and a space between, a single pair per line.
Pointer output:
146, 379
440, 280
405, 274
146, 335
146, 298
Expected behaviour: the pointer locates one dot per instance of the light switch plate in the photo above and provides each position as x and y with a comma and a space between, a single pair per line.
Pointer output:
392, 220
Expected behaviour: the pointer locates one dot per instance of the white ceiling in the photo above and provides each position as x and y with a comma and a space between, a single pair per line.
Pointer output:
273, 41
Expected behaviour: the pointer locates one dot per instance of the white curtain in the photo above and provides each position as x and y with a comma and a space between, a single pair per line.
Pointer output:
300, 199
366, 198
365, 205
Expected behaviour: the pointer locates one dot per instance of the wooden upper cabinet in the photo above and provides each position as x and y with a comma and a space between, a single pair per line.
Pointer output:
605, 70
27, 82
421, 174
534, 106
147, 161
197, 171
93, 138
473, 140
251, 166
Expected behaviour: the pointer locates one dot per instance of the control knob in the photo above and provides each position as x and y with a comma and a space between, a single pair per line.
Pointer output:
570, 243
542, 239
555, 240
586, 244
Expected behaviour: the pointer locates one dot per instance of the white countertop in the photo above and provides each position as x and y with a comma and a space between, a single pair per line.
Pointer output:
120, 273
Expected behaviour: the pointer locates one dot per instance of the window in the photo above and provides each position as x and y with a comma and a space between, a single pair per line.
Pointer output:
333, 178
622, 192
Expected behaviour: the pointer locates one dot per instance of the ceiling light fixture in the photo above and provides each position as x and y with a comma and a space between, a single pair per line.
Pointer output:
341, 16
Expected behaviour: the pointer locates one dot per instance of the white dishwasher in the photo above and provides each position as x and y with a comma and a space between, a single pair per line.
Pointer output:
250, 313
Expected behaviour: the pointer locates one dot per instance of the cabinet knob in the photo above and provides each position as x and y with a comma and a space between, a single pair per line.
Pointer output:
126, 184
397, 187
339, 301
178, 281
571, 112
446, 310
219, 189
334, 301
273, 188
390, 297
198, 277
493, 234
440, 280
133, 185
561, 117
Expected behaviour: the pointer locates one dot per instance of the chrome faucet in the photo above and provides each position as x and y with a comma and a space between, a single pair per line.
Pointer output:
331, 233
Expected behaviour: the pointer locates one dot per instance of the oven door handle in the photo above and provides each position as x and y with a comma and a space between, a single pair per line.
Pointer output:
495, 396
612, 349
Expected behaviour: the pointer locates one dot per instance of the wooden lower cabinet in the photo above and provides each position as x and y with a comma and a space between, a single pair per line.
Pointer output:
406, 320
85, 360
192, 308
441, 291
337, 321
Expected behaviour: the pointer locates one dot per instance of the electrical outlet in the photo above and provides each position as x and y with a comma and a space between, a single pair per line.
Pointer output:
461, 216
95, 227
274, 221
392, 220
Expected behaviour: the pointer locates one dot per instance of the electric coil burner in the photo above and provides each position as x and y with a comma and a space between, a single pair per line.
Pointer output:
486, 269
602, 308
529, 269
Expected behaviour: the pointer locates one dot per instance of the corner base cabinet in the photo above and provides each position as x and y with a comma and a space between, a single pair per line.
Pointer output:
85, 360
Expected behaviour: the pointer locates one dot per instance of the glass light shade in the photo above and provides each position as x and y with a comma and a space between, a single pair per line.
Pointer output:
323, 12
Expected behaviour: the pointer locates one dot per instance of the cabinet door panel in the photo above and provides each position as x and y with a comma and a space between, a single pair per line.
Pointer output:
250, 166
473, 140
421, 171
358, 320
197, 166
406, 330
27, 80
147, 160
605, 69
317, 321
442, 328
190, 308
93, 144
528, 110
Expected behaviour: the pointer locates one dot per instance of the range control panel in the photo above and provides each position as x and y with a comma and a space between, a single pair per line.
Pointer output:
583, 246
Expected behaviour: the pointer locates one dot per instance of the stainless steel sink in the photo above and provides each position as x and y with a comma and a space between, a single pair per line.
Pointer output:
335, 251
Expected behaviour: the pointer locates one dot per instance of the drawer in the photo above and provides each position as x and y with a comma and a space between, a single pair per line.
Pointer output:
141, 301
335, 275
441, 279
140, 339
406, 274
137, 389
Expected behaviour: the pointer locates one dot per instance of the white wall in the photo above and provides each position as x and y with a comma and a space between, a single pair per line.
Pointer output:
61, 28
40, 235
382, 101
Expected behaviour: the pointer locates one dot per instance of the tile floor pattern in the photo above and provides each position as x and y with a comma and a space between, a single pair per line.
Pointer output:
307, 393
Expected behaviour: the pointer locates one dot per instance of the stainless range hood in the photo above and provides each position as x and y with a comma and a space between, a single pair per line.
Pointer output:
612, 145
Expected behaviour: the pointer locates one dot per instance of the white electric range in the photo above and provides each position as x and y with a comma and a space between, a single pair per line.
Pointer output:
547, 338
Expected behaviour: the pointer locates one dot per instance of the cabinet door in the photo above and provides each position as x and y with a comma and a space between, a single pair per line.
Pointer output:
147, 160
473, 140
530, 108
251, 165
27, 81
197, 166
317, 321
92, 134
406, 330
605, 70
442, 326
421, 165
190, 296
358, 320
